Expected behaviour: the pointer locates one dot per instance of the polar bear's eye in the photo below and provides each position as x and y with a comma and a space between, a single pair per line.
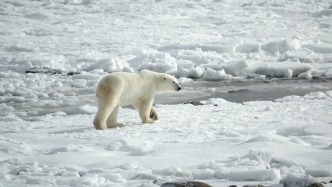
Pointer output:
173, 82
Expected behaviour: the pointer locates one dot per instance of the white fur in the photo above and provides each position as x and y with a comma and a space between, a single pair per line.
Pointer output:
120, 89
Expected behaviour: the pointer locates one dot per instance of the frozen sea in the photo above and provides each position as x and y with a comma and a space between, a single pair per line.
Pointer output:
261, 71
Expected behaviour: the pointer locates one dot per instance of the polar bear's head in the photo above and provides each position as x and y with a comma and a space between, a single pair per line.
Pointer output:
168, 83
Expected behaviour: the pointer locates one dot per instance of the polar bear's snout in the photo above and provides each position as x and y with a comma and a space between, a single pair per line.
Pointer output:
179, 88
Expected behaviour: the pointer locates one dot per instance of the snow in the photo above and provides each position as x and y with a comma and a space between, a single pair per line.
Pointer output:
53, 53
162, 35
209, 143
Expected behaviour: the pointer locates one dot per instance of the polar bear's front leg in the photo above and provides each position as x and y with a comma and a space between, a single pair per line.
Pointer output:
112, 121
144, 110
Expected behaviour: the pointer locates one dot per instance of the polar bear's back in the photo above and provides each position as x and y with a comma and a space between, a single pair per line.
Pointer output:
127, 87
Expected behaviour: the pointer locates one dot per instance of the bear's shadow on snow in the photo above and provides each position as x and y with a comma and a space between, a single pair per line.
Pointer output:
84, 129
78, 130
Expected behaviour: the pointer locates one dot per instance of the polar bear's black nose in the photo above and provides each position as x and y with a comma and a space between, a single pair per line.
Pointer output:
179, 88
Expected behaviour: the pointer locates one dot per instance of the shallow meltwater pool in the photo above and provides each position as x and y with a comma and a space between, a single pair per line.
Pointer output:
244, 90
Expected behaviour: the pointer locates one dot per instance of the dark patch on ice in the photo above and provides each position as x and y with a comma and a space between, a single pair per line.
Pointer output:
323, 13
195, 103
50, 71
15, 48
237, 91
316, 185
73, 73
185, 184
20, 172
153, 115
36, 16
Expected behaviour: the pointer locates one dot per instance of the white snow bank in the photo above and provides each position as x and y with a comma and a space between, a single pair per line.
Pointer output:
250, 175
192, 65
108, 65
155, 61
281, 46
218, 47
305, 75
316, 172
254, 166
135, 148
248, 47
321, 48
281, 69
212, 75
196, 73
70, 148
304, 55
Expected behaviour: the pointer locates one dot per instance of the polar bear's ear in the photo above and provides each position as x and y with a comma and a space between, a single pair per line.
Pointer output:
163, 79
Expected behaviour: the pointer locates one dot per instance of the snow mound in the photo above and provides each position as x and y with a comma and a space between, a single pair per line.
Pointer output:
292, 180
132, 147
37, 16
282, 69
321, 48
249, 47
305, 56
108, 65
70, 148
281, 46
212, 75
291, 131
316, 172
86, 109
217, 47
196, 73
305, 75
155, 61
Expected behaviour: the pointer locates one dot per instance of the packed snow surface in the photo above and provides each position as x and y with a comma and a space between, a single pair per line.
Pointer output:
219, 142
212, 40
54, 52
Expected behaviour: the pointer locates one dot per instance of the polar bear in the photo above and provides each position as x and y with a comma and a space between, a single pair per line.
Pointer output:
138, 89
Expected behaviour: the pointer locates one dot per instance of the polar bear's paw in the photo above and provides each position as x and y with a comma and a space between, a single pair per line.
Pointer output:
153, 114
98, 125
110, 126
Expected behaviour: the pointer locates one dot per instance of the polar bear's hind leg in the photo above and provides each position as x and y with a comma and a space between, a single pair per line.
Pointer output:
100, 119
106, 105
112, 121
